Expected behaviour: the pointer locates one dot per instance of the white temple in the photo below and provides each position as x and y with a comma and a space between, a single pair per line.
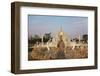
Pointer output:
66, 39
59, 47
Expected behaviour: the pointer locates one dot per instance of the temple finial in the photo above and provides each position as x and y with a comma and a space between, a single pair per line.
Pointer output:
60, 28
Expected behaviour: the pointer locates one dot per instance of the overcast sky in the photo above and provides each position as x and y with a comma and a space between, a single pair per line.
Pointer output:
71, 25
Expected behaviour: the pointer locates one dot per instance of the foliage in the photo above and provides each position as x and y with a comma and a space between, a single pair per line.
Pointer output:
37, 38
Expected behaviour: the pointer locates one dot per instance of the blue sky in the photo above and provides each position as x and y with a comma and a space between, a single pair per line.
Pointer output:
71, 25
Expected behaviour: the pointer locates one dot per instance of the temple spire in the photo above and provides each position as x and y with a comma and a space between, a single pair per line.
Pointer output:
61, 33
61, 28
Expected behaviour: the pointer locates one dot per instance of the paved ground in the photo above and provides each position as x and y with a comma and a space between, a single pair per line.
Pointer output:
44, 54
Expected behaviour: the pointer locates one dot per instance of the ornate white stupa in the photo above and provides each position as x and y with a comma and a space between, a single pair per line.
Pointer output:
65, 38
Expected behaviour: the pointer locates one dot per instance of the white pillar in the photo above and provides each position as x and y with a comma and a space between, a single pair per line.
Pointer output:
79, 38
42, 40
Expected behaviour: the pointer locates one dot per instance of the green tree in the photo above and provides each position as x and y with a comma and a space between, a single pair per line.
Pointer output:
85, 37
36, 36
46, 37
